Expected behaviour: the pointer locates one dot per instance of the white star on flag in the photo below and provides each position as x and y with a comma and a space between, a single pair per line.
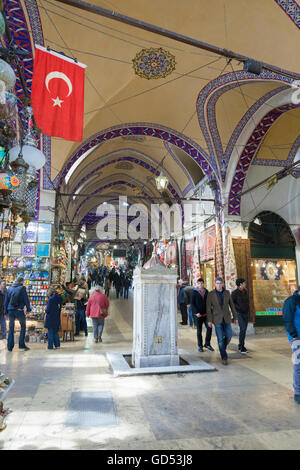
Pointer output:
57, 101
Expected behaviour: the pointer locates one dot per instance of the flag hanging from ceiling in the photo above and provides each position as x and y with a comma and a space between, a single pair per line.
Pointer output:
57, 96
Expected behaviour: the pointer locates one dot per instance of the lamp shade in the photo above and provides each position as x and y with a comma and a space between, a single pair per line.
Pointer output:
32, 156
7, 75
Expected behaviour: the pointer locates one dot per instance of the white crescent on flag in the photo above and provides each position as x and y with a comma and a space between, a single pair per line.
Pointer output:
60, 75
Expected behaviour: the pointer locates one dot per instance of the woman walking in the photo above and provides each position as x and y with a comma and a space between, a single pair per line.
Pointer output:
52, 321
107, 285
97, 309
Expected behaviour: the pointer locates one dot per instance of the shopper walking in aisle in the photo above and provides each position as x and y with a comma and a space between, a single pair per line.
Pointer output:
80, 298
127, 284
217, 306
241, 302
187, 294
97, 309
198, 303
3, 292
182, 304
15, 301
52, 320
291, 321
107, 285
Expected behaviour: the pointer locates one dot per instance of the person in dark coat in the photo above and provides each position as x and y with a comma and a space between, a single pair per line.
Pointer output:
2, 301
241, 302
291, 321
15, 301
52, 321
182, 304
187, 294
198, 303
127, 284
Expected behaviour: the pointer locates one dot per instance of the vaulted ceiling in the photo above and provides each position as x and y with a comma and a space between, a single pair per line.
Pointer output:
195, 122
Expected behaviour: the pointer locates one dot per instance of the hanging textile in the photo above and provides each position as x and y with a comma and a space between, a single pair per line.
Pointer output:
207, 240
196, 265
229, 261
189, 249
171, 253
219, 264
183, 273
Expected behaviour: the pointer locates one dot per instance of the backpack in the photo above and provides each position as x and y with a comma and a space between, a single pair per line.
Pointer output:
15, 297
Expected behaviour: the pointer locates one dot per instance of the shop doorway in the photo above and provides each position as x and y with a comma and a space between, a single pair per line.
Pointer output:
273, 266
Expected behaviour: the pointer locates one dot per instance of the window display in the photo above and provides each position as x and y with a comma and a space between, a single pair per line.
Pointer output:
273, 281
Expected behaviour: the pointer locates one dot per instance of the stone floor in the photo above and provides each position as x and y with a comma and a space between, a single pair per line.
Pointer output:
245, 405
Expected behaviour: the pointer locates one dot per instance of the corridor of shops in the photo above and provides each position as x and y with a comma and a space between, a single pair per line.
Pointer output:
246, 405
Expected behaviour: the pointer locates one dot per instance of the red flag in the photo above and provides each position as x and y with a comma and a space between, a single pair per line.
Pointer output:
57, 96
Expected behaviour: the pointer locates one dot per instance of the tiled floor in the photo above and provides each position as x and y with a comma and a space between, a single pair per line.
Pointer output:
245, 405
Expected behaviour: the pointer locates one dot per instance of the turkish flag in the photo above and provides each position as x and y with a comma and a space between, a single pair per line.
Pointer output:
57, 96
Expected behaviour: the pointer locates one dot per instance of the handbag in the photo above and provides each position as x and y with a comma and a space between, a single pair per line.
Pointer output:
103, 311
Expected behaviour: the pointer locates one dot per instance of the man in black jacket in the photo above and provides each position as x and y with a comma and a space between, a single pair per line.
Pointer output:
241, 302
199, 297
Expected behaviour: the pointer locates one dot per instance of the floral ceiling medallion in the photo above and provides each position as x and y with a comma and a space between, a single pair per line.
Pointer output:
153, 63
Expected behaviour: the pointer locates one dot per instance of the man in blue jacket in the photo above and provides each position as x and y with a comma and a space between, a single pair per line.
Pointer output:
291, 320
15, 301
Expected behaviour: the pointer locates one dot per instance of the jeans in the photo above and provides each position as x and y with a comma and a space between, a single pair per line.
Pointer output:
192, 320
98, 325
3, 327
80, 320
53, 338
126, 291
296, 360
12, 316
199, 323
224, 335
183, 310
243, 323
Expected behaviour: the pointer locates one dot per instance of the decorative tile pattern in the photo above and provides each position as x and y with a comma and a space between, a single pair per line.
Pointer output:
280, 163
17, 23
292, 9
128, 159
248, 155
153, 63
110, 185
152, 130
206, 112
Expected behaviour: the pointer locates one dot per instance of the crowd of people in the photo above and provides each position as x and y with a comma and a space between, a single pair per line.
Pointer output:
218, 307
87, 296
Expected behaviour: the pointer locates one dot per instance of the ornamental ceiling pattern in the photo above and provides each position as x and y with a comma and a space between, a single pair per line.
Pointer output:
153, 63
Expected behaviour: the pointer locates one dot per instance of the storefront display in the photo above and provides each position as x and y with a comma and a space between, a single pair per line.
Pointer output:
273, 281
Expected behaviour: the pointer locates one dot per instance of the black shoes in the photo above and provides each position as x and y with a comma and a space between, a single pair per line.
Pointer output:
209, 347
181, 323
25, 349
243, 350
200, 349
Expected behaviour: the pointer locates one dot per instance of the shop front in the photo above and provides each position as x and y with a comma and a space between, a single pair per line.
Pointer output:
273, 267
28, 256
